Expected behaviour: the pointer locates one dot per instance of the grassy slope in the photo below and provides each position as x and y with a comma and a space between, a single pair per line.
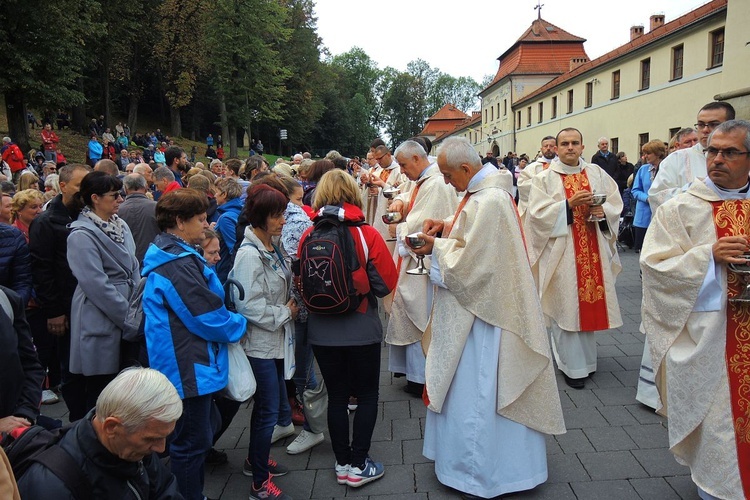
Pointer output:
74, 145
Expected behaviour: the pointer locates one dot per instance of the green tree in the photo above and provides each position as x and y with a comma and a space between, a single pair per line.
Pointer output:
180, 50
41, 63
246, 67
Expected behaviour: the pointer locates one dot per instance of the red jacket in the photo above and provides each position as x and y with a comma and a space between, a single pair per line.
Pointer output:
13, 156
172, 186
50, 140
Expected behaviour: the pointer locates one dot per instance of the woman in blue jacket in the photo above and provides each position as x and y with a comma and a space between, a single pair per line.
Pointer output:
653, 153
187, 329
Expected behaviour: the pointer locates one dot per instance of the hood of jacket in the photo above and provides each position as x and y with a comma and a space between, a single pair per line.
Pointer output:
233, 205
166, 248
344, 212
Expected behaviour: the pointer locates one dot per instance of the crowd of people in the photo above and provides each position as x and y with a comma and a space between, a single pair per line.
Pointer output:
223, 255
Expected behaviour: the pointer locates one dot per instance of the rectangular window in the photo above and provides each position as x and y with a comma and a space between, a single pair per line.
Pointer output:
642, 139
677, 58
528, 116
485, 115
570, 101
616, 84
541, 112
554, 107
614, 145
589, 94
498, 111
673, 131
492, 114
505, 107
645, 74
717, 48
518, 120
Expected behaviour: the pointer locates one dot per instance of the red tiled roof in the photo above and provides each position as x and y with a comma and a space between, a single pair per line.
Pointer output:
542, 49
691, 17
475, 120
444, 120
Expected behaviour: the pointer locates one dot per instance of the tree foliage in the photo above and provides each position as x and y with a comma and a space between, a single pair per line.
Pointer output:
221, 66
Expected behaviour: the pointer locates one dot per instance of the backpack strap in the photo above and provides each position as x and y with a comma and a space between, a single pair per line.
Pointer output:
364, 245
62, 465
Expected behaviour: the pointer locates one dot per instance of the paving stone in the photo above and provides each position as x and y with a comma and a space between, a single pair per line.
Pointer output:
684, 487
322, 458
447, 494
644, 414
607, 465
215, 484
631, 349
574, 441
427, 481
603, 338
236, 488
627, 338
325, 485
609, 351
388, 452
410, 496
383, 430
659, 462
611, 490
630, 363
553, 448
655, 487
412, 452
417, 409
603, 380
608, 365
545, 491
617, 415
565, 400
565, 468
298, 484
609, 439
406, 428
616, 395
396, 409
648, 435
628, 378
578, 418
583, 398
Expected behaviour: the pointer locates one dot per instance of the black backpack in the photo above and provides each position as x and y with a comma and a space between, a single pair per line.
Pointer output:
39, 445
328, 258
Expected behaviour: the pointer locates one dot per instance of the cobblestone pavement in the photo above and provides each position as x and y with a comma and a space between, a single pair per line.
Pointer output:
615, 447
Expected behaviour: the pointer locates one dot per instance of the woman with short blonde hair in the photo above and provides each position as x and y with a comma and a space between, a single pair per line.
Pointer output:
26, 205
337, 186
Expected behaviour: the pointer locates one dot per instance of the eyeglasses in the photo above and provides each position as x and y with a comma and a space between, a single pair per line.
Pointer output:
728, 154
114, 195
709, 125
378, 159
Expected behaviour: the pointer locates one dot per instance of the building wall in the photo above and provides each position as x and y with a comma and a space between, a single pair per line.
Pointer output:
664, 105
736, 76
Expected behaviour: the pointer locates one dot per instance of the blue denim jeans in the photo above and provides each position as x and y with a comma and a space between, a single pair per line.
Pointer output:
304, 360
267, 401
191, 440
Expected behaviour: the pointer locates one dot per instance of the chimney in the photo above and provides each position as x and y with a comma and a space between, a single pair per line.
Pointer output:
656, 21
635, 32
577, 61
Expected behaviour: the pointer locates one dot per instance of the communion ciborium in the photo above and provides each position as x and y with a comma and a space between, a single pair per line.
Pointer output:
598, 199
392, 217
415, 241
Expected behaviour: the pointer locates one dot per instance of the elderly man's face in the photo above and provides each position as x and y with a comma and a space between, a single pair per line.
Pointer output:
725, 172
134, 445
5, 203
457, 177
688, 140
124, 153
217, 169
548, 149
409, 166
603, 146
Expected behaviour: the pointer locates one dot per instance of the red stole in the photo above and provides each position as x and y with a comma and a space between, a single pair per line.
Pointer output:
411, 204
592, 299
732, 218
384, 174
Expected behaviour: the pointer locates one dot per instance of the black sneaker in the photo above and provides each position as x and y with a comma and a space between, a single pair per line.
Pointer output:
268, 491
274, 468
216, 457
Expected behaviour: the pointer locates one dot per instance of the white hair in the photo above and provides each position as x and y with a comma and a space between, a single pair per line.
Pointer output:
52, 181
603, 139
458, 150
409, 149
138, 395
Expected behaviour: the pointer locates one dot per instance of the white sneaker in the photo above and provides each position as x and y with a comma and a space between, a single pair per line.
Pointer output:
49, 397
281, 432
304, 442
342, 473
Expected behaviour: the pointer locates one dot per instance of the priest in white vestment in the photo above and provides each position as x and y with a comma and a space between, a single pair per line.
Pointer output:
429, 198
549, 146
574, 261
678, 170
690, 243
490, 384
